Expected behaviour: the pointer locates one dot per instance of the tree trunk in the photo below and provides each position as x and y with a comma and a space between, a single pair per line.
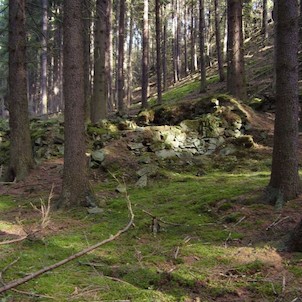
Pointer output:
129, 61
164, 48
158, 50
285, 182
174, 41
44, 97
235, 76
87, 11
21, 158
264, 19
185, 32
218, 42
101, 40
121, 55
203, 78
145, 55
75, 174
110, 61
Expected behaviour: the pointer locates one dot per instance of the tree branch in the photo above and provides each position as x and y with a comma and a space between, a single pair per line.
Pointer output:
29, 277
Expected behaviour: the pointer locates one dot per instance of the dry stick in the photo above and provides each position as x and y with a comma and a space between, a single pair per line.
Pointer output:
276, 222
20, 281
14, 240
162, 221
19, 291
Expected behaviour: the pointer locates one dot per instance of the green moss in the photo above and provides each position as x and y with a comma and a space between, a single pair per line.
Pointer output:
6, 202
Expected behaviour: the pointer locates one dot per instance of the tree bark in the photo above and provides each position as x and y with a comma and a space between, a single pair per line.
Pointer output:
218, 42
158, 50
75, 189
285, 182
21, 157
121, 56
101, 40
203, 78
236, 75
87, 14
44, 97
264, 19
129, 61
145, 56
164, 48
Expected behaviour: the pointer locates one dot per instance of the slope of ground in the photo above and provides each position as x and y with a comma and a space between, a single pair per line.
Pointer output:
216, 242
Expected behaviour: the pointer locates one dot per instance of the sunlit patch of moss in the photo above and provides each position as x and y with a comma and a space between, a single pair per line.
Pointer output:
6, 202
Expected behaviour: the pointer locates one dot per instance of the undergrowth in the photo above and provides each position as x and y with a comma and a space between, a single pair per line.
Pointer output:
191, 256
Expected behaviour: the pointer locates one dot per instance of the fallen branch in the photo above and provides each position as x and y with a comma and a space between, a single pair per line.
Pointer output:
29, 277
14, 240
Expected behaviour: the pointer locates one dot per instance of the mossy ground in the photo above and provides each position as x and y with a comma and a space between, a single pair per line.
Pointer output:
226, 246
207, 255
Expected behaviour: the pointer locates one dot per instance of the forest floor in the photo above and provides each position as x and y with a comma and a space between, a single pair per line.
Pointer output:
218, 240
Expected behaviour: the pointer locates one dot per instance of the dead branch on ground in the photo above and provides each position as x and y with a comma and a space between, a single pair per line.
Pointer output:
36, 274
44, 210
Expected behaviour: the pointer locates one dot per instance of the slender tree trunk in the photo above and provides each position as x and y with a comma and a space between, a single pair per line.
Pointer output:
203, 78
44, 97
285, 181
145, 56
174, 41
177, 49
101, 40
158, 50
21, 158
185, 32
218, 42
192, 33
87, 11
264, 19
164, 48
121, 55
236, 76
75, 188
129, 63
110, 60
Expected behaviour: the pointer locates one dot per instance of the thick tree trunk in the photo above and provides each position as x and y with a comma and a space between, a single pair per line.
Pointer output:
203, 78
235, 76
75, 175
21, 158
158, 50
285, 181
218, 42
44, 97
121, 56
145, 56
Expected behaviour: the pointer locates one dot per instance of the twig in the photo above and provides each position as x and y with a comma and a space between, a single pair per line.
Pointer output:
14, 240
160, 220
176, 252
238, 222
20, 281
283, 284
227, 240
276, 222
